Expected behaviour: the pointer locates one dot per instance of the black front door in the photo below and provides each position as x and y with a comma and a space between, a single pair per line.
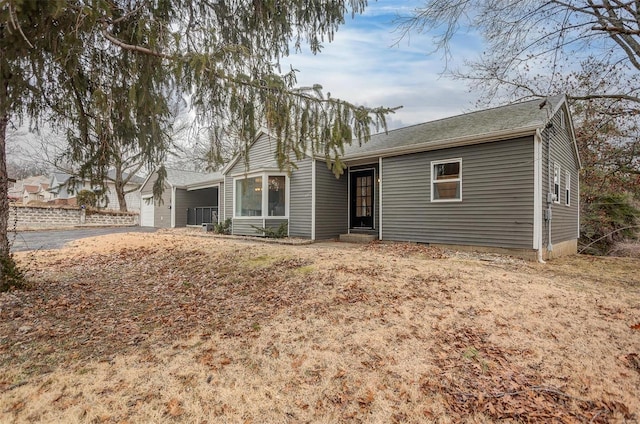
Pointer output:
362, 198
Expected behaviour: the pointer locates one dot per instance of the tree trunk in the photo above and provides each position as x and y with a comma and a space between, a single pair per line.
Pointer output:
119, 184
6, 261
4, 188
121, 197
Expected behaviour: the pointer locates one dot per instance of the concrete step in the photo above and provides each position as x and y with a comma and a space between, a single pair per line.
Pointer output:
357, 238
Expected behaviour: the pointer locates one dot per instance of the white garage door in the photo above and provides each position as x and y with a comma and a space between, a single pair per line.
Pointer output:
146, 212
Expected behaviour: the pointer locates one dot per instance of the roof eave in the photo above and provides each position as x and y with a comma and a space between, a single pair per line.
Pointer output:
202, 185
448, 143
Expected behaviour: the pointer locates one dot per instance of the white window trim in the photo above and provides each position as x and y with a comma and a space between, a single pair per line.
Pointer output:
567, 188
265, 198
556, 167
433, 181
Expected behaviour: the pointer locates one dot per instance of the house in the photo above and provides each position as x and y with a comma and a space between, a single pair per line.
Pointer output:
61, 191
502, 179
64, 192
30, 189
188, 198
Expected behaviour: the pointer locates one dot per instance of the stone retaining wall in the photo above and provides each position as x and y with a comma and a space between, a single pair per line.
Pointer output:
32, 217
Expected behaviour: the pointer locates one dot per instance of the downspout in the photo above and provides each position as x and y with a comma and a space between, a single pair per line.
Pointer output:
173, 207
537, 200
313, 199
551, 194
380, 197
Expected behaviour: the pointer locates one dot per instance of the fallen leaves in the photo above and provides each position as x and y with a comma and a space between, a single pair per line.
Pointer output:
102, 304
174, 408
632, 360
316, 335
503, 390
404, 249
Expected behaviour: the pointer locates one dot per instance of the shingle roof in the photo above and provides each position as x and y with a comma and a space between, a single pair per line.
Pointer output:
181, 178
516, 116
32, 188
61, 176
134, 180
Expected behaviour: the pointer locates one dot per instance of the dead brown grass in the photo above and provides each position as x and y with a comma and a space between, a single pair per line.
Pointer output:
173, 328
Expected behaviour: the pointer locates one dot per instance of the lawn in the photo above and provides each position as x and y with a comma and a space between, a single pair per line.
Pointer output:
174, 327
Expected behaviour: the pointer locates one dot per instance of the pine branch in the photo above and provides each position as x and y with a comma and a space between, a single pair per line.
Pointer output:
132, 47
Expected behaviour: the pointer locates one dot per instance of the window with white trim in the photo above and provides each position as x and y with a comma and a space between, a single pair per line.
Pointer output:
261, 196
249, 197
277, 199
567, 188
556, 182
446, 180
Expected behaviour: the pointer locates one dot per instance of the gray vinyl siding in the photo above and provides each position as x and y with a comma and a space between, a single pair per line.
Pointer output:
191, 199
300, 200
221, 199
161, 210
244, 226
564, 222
261, 155
274, 223
332, 203
497, 197
147, 188
228, 197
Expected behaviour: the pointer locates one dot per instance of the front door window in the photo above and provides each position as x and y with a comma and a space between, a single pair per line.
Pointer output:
362, 198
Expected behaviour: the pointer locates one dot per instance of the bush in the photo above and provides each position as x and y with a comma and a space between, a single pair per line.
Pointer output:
223, 227
607, 219
281, 232
87, 198
12, 276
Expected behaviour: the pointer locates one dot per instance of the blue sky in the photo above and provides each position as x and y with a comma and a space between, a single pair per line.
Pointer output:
367, 65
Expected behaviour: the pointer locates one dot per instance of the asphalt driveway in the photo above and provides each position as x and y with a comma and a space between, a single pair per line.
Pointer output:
56, 239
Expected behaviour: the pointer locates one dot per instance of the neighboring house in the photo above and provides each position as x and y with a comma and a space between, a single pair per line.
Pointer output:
61, 189
188, 198
30, 189
64, 192
501, 179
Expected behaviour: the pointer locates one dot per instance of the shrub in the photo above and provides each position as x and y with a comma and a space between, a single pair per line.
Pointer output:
281, 232
223, 227
12, 276
607, 219
87, 198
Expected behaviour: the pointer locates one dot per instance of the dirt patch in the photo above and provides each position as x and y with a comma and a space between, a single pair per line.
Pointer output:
164, 327
630, 249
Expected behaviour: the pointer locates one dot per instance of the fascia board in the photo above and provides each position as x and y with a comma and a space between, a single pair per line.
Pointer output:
251, 172
203, 185
145, 181
447, 143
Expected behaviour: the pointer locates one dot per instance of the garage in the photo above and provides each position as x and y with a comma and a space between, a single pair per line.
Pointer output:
146, 212
186, 196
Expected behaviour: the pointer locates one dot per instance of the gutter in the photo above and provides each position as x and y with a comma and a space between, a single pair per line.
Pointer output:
447, 143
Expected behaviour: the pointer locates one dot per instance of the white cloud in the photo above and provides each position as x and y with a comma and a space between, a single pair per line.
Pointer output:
366, 65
